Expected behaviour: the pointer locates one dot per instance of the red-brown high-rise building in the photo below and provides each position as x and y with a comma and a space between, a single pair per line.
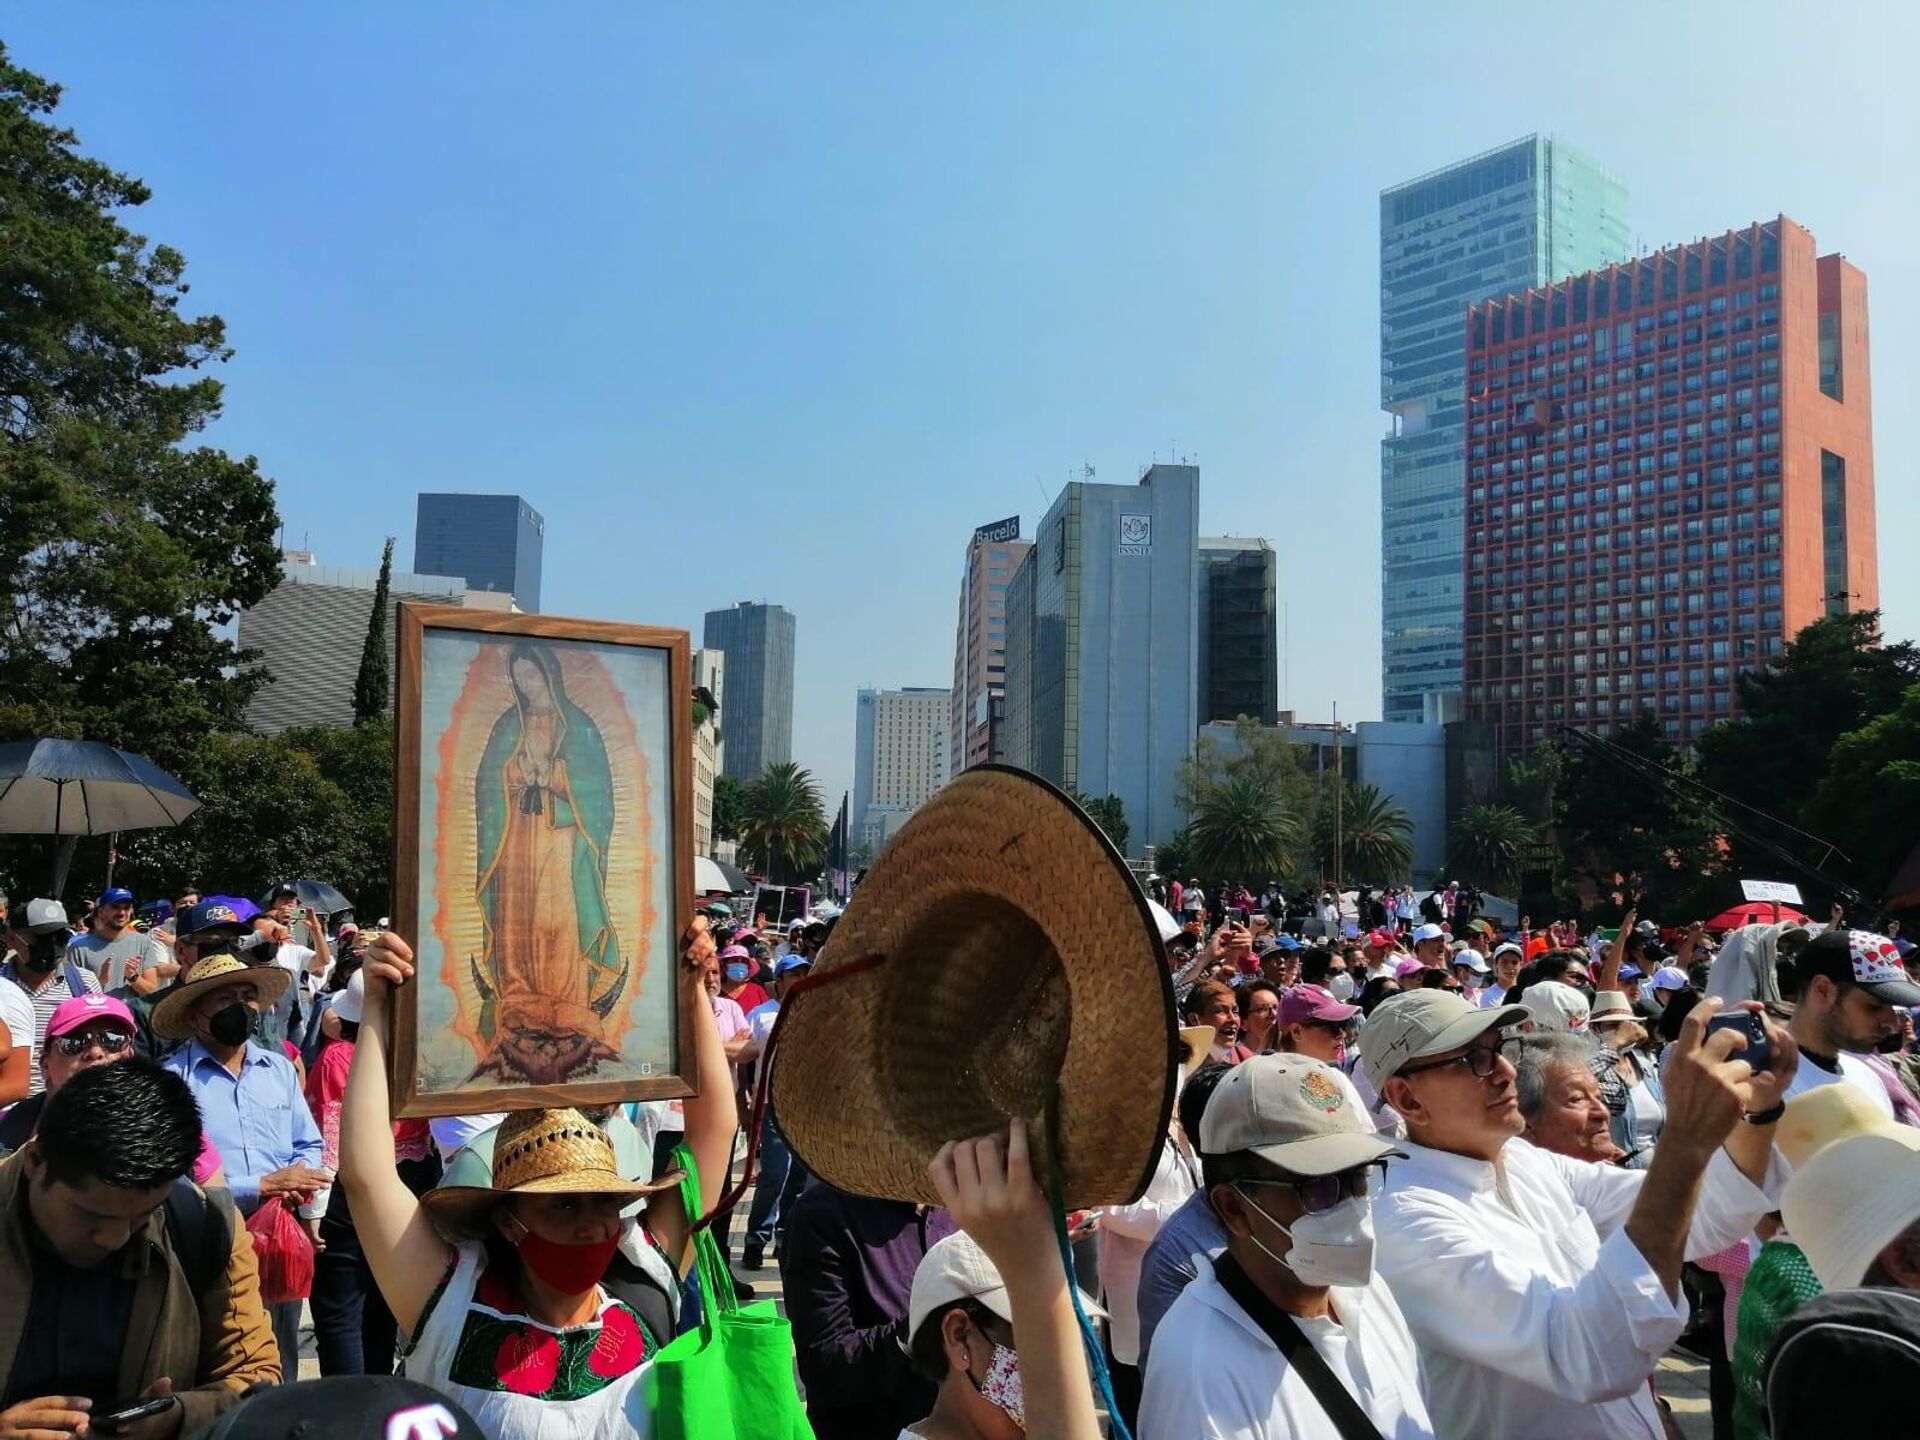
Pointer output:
1669, 470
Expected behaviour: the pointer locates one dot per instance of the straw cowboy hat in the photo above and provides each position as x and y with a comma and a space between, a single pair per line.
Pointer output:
1023, 969
537, 1152
269, 983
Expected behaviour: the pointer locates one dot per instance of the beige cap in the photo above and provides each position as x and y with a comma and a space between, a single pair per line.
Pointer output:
1418, 1023
956, 1268
1299, 1114
1558, 1007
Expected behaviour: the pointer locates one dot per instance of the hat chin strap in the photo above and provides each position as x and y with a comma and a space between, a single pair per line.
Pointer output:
790, 988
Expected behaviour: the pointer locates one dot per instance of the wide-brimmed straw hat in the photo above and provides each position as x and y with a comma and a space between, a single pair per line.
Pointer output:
538, 1152
1022, 968
169, 1017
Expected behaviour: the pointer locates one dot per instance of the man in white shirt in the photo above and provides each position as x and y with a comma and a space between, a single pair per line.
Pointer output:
1849, 983
1543, 1291
1292, 1319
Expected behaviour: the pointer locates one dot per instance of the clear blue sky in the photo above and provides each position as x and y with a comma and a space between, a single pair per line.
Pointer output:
780, 301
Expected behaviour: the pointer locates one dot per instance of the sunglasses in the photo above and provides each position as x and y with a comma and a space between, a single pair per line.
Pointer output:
1480, 1060
1323, 1192
111, 1041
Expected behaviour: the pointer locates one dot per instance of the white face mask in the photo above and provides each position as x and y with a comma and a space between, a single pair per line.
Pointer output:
1340, 983
1334, 1247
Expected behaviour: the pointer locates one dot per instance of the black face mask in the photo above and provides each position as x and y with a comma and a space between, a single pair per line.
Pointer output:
231, 1025
44, 952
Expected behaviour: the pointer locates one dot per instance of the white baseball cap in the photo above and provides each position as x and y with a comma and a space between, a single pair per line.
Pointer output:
1558, 1006
1472, 959
1294, 1112
956, 1268
1428, 932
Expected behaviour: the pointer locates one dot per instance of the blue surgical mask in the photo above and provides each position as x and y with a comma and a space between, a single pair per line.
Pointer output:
738, 971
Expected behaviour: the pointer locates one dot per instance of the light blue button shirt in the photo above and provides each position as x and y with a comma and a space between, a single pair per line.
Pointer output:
258, 1120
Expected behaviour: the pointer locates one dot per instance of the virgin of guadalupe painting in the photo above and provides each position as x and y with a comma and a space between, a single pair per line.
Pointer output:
544, 821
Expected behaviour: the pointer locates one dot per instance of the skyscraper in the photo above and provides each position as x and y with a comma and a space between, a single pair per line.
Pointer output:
493, 542
900, 751
1518, 216
1103, 633
1239, 631
309, 632
757, 641
980, 644
1669, 474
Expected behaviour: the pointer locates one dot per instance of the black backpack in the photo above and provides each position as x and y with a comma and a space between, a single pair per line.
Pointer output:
200, 1230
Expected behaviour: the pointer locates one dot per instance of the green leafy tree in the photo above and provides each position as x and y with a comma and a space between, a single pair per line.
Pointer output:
1835, 678
314, 801
123, 551
372, 687
1622, 812
1490, 845
1527, 785
1375, 835
729, 807
1110, 815
1174, 859
1868, 801
784, 826
1259, 770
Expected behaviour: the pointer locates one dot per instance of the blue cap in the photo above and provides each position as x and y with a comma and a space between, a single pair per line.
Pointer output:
1630, 972
158, 909
219, 912
1287, 942
116, 896
787, 964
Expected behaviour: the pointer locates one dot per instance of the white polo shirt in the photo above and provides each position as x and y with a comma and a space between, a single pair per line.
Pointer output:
1212, 1373
1853, 1070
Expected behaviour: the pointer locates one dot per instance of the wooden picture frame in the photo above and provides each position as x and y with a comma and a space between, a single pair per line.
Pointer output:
530, 748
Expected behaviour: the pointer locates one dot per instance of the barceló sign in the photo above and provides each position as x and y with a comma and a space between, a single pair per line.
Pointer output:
1007, 529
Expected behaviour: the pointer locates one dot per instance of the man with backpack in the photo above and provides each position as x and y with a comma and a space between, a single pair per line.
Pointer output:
40, 968
127, 1286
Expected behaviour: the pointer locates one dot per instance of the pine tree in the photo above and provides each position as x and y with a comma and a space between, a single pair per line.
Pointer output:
372, 687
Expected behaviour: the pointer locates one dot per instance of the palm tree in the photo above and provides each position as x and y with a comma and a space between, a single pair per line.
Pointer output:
1240, 827
1489, 843
783, 825
1374, 831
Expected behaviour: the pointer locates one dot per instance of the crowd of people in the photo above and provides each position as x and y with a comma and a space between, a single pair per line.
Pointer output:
1422, 1176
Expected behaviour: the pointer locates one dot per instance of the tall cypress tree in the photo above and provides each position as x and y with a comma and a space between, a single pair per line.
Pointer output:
372, 687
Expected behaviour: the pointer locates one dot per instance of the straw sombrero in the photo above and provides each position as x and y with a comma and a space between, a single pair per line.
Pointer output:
1023, 969
169, 1017
537, 1152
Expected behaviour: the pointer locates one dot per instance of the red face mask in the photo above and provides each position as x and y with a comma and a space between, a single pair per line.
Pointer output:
570, 1269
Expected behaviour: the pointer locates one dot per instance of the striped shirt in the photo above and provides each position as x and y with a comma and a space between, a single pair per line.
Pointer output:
47, 999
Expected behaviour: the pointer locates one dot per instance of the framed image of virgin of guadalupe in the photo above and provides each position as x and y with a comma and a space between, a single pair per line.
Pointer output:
543, 862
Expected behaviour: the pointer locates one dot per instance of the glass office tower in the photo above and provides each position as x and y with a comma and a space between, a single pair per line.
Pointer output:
1508, 220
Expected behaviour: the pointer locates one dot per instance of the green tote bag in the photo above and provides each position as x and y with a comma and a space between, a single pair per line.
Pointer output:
731, 1379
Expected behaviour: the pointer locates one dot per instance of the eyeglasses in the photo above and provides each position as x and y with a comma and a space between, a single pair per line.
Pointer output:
111, 1041
1323, 1192
1479, 1061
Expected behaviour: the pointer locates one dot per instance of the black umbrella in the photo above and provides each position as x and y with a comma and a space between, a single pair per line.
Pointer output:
72, 788
313, 894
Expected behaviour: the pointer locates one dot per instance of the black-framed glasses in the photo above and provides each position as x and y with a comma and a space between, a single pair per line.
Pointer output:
1479, 1061
111, 1041
1323, 1192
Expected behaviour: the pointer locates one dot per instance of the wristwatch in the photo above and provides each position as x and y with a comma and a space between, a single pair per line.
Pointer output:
1767, 1116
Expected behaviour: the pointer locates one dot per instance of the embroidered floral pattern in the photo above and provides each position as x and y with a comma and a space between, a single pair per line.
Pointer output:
502, 1350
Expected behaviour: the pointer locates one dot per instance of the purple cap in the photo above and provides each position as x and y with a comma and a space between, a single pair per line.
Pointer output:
1302, 1003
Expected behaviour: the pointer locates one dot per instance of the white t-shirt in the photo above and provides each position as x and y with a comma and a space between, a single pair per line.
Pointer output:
16, 1009
1213, 1374
1809, 1076
760, 1024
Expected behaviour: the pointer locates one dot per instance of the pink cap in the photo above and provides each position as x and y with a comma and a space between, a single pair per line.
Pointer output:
82, 1009
1302, 1003
1406, 967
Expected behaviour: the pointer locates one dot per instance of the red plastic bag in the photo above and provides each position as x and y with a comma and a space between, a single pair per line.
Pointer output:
284, 1252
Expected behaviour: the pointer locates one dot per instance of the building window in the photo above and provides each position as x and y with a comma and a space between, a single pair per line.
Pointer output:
1833, 529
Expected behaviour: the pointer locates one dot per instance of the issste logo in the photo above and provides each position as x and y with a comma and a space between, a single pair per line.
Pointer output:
422, 1422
